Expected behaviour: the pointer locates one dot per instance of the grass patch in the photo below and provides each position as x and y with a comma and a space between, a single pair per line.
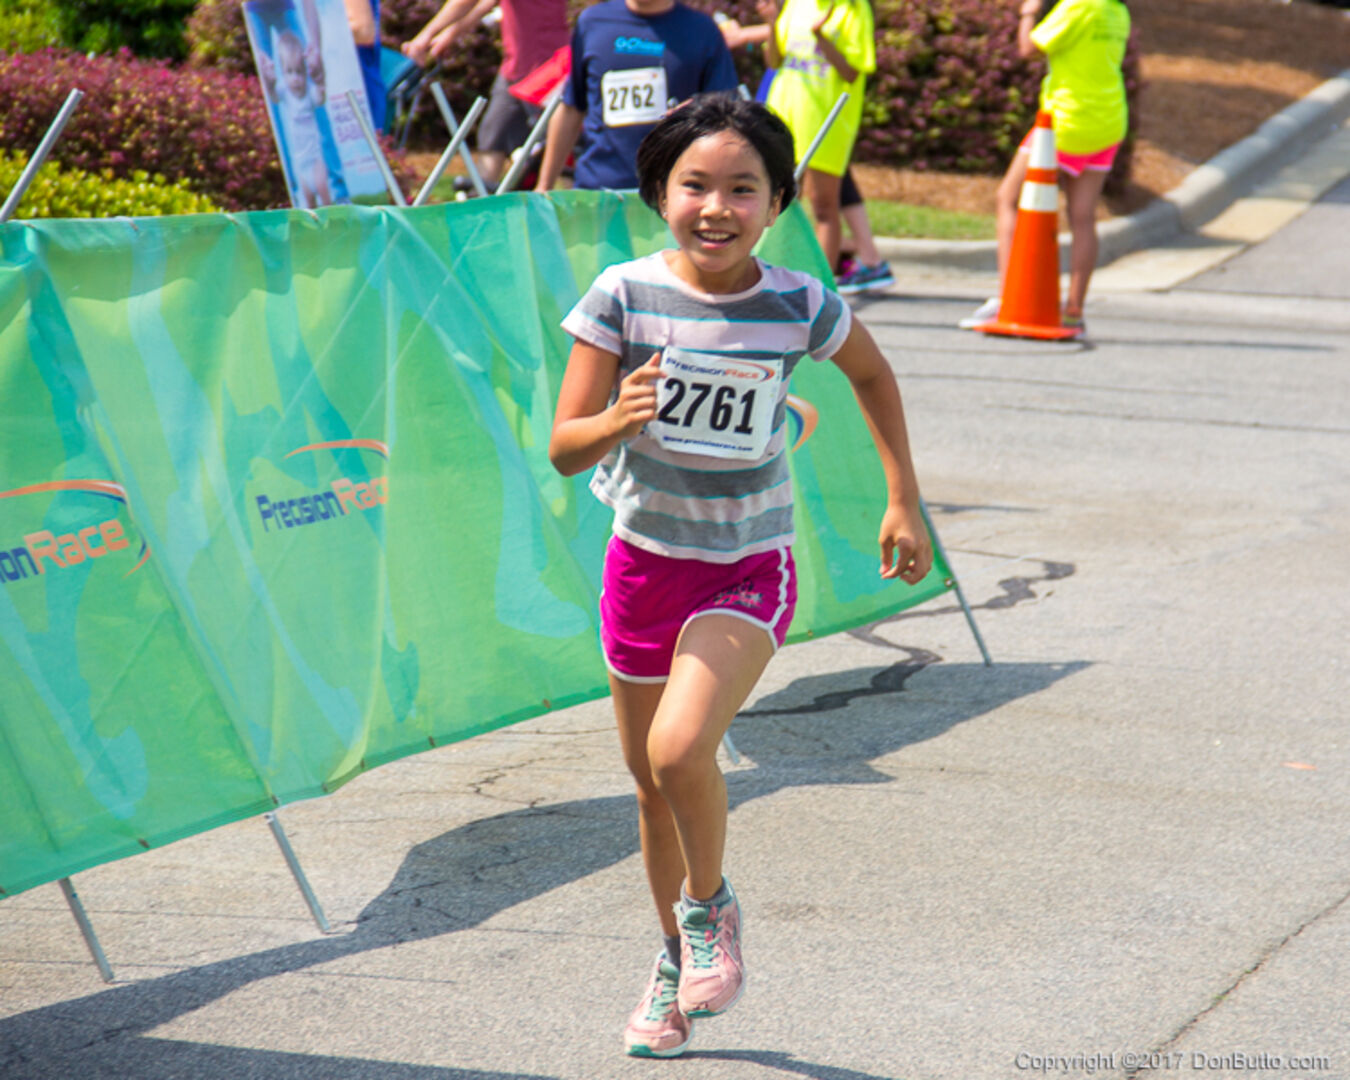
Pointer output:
901, 219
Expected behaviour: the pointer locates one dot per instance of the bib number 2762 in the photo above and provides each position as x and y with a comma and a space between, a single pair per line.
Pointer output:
633, 96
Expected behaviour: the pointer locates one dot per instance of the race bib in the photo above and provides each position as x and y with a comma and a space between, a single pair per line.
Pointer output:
714, 405
633, 96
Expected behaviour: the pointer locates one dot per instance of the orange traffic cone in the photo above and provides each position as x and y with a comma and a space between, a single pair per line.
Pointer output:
1029, 306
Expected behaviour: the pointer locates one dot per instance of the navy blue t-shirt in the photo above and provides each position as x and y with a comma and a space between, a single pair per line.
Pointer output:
628, 69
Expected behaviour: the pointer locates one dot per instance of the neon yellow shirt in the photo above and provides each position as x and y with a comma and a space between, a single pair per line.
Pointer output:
1084, 42
806, 86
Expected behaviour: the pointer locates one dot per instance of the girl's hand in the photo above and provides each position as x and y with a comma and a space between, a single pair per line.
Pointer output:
819, 27
418, 50
906, 551
636, 404
768, 10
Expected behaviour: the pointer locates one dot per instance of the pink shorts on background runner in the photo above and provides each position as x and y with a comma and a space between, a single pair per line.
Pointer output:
1077, 164
646, 599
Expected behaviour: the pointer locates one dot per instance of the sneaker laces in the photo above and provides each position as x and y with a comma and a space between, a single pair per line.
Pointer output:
701, 934
665, 988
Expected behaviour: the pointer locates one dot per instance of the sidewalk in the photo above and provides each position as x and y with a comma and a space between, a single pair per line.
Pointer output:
1238, 197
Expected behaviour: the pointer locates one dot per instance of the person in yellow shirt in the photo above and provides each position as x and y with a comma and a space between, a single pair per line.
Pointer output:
821, 48
1084, 91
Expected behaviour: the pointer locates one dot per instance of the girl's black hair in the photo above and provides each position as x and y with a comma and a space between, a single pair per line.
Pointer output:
707, 114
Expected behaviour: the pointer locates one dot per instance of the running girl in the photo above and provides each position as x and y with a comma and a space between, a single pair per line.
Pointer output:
675, 388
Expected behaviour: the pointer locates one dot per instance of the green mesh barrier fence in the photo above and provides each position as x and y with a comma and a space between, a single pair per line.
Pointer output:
276, 506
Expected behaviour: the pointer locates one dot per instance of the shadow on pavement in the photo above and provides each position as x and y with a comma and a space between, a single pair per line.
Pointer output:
786, 1063
468, 875
146, 1058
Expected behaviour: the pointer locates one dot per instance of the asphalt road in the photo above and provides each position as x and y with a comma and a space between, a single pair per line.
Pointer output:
1120, 851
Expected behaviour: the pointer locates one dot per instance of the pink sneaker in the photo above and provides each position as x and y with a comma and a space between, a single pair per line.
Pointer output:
657, 1027
712, 974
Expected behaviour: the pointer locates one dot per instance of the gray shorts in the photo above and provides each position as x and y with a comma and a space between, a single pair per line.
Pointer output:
506, 121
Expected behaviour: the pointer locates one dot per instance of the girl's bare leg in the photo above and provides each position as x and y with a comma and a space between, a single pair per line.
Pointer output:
855, 217
1009, 191
822, 192
717, 662
634, 707
1082, 193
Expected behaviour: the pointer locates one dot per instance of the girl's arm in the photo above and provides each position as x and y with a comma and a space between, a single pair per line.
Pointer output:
906, 551
830, 50
769, 10
361, 19
736, 35
418, 48
563, 131
585, 426
1027, 15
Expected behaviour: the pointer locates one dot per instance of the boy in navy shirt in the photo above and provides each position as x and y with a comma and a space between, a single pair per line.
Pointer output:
632, 61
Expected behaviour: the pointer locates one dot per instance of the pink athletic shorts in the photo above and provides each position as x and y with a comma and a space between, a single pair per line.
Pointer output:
647, 599
1077, 164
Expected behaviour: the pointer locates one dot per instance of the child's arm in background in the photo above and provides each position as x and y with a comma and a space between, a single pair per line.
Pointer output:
906, 551
585, 426
563, 131
830, 50
769, 10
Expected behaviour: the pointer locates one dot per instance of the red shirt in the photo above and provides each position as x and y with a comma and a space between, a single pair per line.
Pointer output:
532, 31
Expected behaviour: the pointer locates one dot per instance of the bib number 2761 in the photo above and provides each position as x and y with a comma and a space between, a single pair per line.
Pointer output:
726, 404
714, 405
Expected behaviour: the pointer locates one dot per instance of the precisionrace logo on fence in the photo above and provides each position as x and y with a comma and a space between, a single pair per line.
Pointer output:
344, 497
44, 551
805, 416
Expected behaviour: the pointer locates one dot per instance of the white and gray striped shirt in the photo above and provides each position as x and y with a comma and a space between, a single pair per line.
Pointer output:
689, 506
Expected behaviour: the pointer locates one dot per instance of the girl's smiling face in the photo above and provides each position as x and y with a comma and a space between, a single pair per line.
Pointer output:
718, 202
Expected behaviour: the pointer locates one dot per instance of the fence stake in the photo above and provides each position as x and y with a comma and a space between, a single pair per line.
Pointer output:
522, 159
40, 155
448, 115
369, 133
956, 584
820, 137
86, 928
297, 871
456, 145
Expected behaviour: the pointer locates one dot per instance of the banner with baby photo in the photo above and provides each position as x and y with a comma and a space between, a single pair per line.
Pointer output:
307, 63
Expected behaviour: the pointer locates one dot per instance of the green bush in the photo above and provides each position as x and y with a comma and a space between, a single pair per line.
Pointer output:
151, 28
216, 37
74, 193
27, 26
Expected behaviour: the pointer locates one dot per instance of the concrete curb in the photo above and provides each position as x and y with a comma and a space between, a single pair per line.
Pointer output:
1204, 194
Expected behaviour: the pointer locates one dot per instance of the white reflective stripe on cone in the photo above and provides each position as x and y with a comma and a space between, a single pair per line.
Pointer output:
1043, 149
1040, 197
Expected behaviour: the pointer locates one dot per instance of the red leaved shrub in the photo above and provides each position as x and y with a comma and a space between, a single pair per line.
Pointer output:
208, 127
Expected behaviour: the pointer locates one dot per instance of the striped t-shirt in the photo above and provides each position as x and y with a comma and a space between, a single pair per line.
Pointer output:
684, 505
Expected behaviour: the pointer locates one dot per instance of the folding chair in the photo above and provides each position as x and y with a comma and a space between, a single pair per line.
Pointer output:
404, 83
